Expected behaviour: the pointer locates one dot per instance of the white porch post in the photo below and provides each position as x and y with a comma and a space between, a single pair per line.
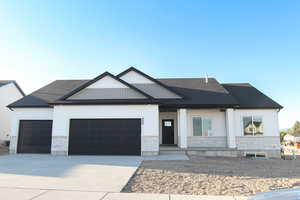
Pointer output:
182, 128
231, 142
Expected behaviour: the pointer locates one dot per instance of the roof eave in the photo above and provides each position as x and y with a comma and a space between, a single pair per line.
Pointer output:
263, 107
30, 106
200, 105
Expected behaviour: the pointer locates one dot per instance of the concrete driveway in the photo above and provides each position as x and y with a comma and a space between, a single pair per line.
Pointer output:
77, 173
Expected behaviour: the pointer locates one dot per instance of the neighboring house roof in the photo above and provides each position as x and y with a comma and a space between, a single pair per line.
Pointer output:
248, 96
296, 135
194, 93
292, 137
5, 82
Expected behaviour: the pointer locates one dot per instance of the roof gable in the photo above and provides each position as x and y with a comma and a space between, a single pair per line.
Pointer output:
133, 77
105, 86
107, 82
148, 84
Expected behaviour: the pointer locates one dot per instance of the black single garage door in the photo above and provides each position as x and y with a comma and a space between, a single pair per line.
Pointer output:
105, 137
35, 136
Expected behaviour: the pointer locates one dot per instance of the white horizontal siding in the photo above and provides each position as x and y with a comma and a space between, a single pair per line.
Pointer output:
107, 93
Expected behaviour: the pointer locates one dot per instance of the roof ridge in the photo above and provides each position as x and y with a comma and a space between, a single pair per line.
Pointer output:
235, 83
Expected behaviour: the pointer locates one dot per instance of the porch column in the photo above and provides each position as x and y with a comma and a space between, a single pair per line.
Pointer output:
182, 128
231, 143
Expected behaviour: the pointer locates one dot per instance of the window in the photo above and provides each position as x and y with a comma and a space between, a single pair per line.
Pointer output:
253, 125
202, 126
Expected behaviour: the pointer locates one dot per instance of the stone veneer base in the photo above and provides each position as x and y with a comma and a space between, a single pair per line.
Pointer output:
150, 153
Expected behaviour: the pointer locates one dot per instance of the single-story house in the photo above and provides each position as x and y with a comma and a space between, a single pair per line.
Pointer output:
10, 91
134, 114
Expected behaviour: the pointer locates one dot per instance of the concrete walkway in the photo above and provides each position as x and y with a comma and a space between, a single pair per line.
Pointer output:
34, 194
75, 173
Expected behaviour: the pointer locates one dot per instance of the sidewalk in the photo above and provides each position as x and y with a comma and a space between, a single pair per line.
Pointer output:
33, 194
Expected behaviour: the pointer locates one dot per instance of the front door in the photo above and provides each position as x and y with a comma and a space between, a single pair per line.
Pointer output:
167, 131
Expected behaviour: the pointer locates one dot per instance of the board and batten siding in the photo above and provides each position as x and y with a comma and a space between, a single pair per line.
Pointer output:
107, 88
218, 127
148, 86
107, 93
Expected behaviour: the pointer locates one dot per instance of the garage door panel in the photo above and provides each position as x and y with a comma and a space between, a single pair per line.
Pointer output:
105, 137
35, 136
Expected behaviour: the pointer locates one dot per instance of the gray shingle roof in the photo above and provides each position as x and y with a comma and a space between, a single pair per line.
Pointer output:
48, 94
5, 82
195, 91
248, 96
198, 93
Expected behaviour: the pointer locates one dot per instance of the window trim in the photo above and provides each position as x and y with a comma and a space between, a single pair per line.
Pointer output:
209, 118
252, 117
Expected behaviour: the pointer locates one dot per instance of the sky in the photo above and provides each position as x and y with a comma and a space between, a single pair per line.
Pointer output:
234, 41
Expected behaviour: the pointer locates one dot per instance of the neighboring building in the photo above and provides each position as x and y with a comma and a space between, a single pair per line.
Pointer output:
9, 92
292, 137
289, 137
135, 114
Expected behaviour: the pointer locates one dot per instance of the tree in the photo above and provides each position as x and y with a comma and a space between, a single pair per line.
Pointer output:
282, 134
296, 127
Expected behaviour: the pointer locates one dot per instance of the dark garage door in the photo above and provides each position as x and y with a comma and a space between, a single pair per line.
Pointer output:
35, 136
105, 137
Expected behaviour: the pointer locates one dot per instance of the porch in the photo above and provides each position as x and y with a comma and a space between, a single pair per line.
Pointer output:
177, 132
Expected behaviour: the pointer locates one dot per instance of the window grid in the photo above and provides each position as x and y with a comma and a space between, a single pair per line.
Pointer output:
253, 129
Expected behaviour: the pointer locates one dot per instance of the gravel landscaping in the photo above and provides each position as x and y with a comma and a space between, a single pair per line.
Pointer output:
215, 176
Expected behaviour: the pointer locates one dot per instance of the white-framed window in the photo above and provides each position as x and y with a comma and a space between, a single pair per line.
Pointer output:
253, 125
202, 126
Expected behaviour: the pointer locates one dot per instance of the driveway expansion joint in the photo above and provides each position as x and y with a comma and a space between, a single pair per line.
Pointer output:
39, 195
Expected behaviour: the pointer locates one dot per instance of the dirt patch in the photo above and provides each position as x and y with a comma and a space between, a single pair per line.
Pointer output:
215, 176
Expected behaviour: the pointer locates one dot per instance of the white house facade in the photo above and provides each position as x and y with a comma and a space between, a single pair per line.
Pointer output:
9, 92
135, 114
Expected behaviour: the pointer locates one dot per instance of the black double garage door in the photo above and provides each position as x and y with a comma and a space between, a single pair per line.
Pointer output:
86, 137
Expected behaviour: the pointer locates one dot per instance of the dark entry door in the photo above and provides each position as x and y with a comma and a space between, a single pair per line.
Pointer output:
168, 131
35, 136
105, 137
